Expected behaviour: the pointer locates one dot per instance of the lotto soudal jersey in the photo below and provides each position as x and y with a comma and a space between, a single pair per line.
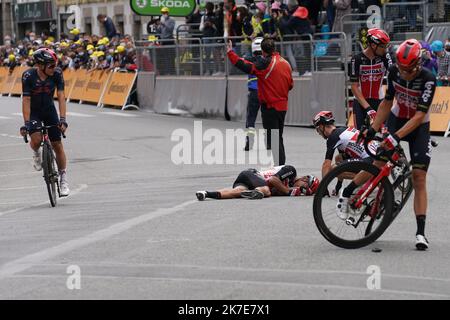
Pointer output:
344, 140
369, 74
411, 96
41, 91
286, 174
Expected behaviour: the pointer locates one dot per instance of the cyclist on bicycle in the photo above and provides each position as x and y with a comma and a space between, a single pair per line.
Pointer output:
256, 184
366, 74
408, 119
38, 87
344, 139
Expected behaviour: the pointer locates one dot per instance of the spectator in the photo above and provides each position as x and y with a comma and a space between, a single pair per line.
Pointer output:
165, 28
287, 34
217, 52
331, 10
76, 34
233, 26
274, 83
274, 23
447, 45
208, 28
108, 24
443, 60
428, 58
244, 20
343, 7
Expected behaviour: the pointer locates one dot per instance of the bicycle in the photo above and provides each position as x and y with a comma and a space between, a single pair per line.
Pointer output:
373, 206
51, 175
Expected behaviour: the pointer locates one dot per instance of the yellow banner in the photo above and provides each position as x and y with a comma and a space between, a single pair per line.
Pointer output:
17, 86
439, 110
95, 83
8, 81
3, 77
118, 88
80, 81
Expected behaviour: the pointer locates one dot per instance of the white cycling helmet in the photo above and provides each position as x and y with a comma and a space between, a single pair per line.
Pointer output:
256, 44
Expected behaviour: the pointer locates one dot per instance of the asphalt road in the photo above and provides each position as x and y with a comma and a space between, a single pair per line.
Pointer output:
133, 228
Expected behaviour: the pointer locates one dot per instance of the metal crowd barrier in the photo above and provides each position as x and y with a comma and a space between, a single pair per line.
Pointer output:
405, 17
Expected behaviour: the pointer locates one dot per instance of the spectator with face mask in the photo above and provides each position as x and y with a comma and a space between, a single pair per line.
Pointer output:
443, 60
108, 24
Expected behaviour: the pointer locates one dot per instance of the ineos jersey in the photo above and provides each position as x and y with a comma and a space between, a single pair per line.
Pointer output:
411, 95
344, 139
41, 91
286, 174
369, 74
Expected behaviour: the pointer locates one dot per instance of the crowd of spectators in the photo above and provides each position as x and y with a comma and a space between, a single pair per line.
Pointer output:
74, 51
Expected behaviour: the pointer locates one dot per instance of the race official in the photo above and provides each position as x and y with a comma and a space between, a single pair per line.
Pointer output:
274, 83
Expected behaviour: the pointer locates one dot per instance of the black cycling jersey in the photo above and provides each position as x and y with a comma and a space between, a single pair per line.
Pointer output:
41, 91
410, 96
344, 140
369, 74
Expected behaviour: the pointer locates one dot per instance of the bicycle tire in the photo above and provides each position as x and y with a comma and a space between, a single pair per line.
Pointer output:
48, 166
405, 191
388, 199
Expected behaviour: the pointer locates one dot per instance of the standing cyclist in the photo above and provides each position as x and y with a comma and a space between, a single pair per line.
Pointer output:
38, 87
413, 88
366, 74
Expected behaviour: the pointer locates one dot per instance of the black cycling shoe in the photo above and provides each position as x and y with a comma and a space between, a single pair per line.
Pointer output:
252, 194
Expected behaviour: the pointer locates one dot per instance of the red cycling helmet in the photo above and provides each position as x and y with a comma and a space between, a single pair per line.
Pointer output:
45, 56
313, 185
409, 53
323, 117
378, 36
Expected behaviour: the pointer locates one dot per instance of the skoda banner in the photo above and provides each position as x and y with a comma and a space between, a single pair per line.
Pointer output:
177, 8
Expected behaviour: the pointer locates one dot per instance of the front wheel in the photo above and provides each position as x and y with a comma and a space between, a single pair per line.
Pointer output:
363, 225
50, 173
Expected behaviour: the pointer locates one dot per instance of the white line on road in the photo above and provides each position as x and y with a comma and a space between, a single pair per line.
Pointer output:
20, 188
11, 145
119, 114
17, 114
82, 115
10, 136
17, 159
72, 193
26, 262
4, 118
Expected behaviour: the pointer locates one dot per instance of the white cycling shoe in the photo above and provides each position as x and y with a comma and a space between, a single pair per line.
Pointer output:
37, 161
421, 242
342, 206
64, 190
201, 195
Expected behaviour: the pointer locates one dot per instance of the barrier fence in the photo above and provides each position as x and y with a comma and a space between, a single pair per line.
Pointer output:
98, 87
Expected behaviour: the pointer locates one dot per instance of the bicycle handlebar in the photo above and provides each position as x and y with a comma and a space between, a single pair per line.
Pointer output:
380, 153
25, 137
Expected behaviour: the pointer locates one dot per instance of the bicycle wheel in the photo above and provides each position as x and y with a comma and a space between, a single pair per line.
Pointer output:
367, 227
50, 173
403, 188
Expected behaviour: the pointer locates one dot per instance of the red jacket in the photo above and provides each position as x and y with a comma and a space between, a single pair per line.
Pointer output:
274, 78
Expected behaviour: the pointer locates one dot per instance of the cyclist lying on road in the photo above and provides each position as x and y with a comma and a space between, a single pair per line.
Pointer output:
254, 184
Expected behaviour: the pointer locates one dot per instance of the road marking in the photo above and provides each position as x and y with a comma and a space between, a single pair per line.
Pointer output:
82, 115
11, 145
28, 261
35, 173
119, 114
72, 193
10, 136
19, 188
4, 118
18, 159
17, 114
167, 240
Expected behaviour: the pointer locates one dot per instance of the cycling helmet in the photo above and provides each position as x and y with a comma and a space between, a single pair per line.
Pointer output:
313, 185
378, 36
256, 44
323, 117
409, 53
45, 56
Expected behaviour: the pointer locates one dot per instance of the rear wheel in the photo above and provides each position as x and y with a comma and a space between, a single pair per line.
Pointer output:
369, 221
50, 173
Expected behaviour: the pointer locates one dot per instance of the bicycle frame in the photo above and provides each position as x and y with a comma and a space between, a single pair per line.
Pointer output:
370, 185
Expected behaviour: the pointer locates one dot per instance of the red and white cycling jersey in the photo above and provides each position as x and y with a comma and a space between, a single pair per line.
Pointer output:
344, 140
285, 173
369, 74
411, 96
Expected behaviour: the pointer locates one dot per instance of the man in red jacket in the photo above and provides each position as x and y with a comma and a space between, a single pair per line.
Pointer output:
274, 83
